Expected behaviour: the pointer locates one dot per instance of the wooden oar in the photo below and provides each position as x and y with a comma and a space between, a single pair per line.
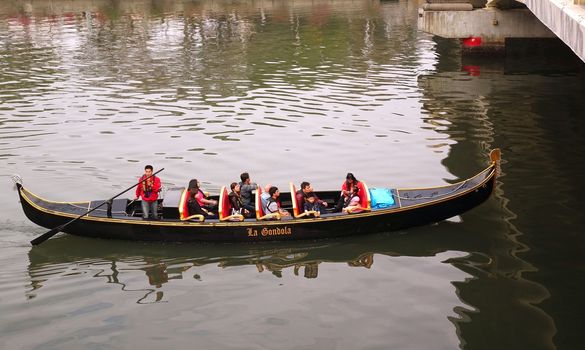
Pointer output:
40, 239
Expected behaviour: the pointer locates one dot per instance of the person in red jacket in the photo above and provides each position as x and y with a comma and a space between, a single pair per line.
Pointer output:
148, 189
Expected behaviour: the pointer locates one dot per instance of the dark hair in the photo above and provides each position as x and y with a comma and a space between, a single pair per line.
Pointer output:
304, 185
148, 167
311, 195
348, 177
272, 190
233, 185
356, 189
193, 188
244, 177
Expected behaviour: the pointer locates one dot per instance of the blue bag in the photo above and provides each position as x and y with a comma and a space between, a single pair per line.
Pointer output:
381, 198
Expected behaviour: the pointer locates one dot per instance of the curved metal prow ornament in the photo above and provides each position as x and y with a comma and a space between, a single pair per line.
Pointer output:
496, 157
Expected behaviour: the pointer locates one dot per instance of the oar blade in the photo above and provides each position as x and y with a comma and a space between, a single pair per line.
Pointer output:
40, 239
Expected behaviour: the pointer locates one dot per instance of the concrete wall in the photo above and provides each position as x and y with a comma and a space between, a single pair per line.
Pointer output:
491, 24
474, 3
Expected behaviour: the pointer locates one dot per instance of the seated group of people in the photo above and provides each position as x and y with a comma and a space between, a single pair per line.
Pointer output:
349, 201
241, 199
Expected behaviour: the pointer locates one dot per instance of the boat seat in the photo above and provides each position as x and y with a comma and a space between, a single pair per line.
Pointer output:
225, 207
184, 210
298, 212
259, 211
365, 200
117, 208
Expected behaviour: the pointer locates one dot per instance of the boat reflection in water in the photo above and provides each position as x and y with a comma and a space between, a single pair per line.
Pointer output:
118, 261
482, 260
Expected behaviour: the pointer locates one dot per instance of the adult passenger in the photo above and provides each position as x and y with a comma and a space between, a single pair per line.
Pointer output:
193, 205
204, 202
264, 197
273, 205
246, 188
148, 189
347, 191
236, 201
302, 195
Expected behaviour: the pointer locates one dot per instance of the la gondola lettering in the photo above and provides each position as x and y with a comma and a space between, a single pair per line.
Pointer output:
265, 231
276, 231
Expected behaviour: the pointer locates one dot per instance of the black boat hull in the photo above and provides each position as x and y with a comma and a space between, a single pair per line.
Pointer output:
411, 211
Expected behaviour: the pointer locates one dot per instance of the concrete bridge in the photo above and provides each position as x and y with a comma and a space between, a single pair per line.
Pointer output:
486, 25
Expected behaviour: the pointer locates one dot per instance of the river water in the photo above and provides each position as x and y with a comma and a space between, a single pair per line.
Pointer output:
91, 91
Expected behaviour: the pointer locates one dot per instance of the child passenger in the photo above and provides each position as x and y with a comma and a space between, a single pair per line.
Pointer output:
352, 204
311, 203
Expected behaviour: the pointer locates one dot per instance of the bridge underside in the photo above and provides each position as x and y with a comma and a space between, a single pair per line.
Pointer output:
565, 18
485, 25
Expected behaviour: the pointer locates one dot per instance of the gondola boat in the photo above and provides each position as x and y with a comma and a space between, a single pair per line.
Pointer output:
122, 219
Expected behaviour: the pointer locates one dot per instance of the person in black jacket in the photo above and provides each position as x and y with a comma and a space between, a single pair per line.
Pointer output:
193, 204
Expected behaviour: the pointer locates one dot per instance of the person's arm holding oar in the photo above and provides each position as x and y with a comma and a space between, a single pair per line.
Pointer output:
40, 239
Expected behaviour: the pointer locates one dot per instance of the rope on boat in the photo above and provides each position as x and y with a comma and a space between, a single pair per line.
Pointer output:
163, 191
464, 183
98, 209
17, 179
